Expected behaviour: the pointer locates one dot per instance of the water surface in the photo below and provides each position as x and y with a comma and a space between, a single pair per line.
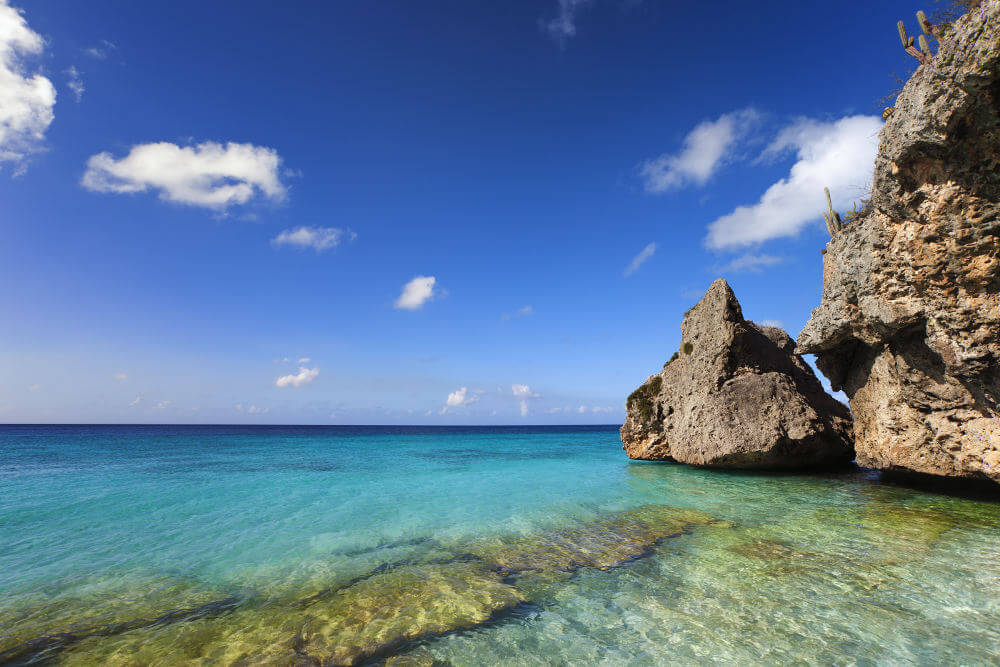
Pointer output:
469, 546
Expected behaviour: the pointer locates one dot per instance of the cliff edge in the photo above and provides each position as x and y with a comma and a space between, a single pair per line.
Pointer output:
909, 324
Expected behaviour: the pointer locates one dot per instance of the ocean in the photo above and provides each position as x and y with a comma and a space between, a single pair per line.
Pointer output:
162, 545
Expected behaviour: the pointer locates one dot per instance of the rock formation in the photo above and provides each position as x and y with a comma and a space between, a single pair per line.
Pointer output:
736, 396
909, 324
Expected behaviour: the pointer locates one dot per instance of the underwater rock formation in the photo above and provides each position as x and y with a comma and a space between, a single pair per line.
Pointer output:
735, 396
909, 324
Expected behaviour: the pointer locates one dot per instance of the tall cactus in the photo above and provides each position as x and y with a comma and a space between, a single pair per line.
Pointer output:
928, 27
924, 53
833, 222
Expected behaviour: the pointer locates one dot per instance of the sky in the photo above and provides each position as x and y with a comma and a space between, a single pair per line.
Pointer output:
395, 212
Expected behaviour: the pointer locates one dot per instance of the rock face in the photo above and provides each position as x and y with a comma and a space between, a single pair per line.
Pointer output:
909, 324
735, 396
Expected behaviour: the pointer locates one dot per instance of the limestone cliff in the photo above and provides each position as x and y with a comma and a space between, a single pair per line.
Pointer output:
735, 396
909, 324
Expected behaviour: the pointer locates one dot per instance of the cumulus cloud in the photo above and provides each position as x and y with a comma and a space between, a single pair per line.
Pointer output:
637, 261
523, 393
563, 25
706, 148
210, 175
304, 376
26, 98
750, 262
460, 397
416, 293
317, 238
839, 154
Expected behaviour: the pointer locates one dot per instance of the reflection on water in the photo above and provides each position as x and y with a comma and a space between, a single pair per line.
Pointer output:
341, 547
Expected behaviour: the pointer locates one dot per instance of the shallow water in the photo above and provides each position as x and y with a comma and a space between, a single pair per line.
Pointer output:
215, 545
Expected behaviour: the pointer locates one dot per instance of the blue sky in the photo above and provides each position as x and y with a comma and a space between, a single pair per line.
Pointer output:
409, 212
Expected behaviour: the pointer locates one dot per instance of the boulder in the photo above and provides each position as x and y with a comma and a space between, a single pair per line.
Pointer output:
909, 323
736, 396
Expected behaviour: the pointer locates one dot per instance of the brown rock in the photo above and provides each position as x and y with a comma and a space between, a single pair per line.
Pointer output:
909, 324
736, 396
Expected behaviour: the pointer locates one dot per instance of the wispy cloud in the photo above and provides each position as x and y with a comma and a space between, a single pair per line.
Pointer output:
75, 83
750, 262
416, 293
638, 260
163, 405
33, 388
317, 238
523, 311
26, 99
209, 175
138, 399
303, 377
121, 377
563, 25
837, 154
101, 50
706, 149
251, 409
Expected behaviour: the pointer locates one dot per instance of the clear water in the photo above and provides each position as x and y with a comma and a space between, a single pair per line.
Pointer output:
288, 545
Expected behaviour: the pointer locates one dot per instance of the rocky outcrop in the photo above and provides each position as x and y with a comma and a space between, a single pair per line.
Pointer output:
909, 324
735, 396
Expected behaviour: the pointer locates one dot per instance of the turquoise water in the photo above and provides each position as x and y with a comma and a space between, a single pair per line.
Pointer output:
295, 545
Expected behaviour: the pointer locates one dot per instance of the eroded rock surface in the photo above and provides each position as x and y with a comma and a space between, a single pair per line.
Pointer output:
736, 396
909, 324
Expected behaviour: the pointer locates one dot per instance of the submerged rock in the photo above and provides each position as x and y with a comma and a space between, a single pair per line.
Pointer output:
909, 324
736, 396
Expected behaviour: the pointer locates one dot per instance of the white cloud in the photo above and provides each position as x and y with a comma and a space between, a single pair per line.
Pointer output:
750, 262
563, 26
416, 293
778, 324
706, 148
637, 261
523, 393
317, 238
210, 174
26, 99
136, 402
304, 360
102, 50
75, 83
33, 388
252, 409
304, 376
163, 405
460, 397
121, 377
582, 409
838, 154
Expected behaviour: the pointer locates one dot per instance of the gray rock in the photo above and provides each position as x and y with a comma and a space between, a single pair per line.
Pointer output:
736, 396
909, 324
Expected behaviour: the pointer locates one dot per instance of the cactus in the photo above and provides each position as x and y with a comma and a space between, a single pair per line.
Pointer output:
929, 28
922, 54
833, 222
